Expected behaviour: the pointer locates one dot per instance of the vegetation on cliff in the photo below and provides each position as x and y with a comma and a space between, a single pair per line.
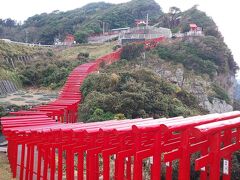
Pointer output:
206, 54
176, 20
133, 92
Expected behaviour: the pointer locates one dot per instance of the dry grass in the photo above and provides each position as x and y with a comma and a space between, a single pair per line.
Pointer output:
94, 50
5, 172
11, 50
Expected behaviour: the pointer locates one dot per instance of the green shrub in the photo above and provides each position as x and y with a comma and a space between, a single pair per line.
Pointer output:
116, 47
83, 55
187, 98
207, 55
220, 93
100, 115
136, 93
50, 53
119, 116
132, 51
81, 37
51, 74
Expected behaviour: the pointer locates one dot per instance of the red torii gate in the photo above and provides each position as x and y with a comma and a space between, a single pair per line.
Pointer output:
46, 145
95, 138
221, 146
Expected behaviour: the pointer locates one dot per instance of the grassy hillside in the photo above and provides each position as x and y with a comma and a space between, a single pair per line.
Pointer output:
14, 50
94, 50
53, 72
46, 67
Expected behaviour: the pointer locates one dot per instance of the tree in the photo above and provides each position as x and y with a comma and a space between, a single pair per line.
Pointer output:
48, 35
9, 22
81, 37
132, 51
88, 18
174, 15
1, 30
171, 19
131, 94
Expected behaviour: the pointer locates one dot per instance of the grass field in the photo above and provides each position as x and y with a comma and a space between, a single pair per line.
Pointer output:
14, 50
94, 50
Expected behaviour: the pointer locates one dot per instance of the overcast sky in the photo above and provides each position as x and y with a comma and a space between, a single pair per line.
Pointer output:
225, 13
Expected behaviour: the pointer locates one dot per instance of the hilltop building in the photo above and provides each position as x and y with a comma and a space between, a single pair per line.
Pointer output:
195, 30
142, 33
69, 40
119, 30
140, 22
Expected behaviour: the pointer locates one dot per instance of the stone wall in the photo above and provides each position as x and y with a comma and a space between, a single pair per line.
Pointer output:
7, 87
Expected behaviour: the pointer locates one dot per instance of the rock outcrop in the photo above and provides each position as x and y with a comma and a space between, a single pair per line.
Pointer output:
199, 86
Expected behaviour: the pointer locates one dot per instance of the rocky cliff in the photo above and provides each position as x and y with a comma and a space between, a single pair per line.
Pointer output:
197, 85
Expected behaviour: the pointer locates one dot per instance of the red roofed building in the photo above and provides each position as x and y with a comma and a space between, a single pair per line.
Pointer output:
193, 27
195, 30
140, 22
69, 40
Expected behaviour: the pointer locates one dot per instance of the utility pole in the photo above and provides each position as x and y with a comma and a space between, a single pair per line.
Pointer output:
147, 21
26, 40
103, 27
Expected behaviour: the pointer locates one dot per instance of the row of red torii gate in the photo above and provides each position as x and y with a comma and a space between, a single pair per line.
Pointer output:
46, 142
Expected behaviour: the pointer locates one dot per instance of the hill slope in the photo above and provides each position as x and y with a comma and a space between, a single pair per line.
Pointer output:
179, 77
89, 19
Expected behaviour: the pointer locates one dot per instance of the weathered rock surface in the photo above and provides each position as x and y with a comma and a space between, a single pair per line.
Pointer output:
217, 106
198, 85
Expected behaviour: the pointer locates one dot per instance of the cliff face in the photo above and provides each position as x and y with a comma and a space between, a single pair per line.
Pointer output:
237, 90
197, 85
203, 66
228, 82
